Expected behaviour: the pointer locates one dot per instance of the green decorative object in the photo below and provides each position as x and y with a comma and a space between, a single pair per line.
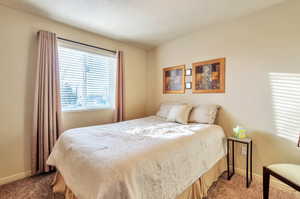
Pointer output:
240, 132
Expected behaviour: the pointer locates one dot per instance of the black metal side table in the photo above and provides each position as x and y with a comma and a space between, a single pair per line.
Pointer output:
248, 142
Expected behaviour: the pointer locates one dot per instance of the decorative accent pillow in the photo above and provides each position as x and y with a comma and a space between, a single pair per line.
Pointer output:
180, 113
205, 114
165, 109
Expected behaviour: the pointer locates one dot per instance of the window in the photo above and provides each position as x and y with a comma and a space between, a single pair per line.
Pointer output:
87, 78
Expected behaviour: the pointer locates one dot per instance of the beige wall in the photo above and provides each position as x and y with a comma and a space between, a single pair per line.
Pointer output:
254, 46
17, 76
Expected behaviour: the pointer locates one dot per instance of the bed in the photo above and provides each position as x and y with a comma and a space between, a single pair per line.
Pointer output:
147, 158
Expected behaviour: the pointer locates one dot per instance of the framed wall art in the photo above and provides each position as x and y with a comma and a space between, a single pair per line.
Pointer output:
209, 76
174, 79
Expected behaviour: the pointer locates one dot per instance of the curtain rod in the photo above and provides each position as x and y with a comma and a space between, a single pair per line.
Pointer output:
83, 44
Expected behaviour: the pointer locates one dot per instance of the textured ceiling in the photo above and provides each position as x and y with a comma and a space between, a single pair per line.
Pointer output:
146, 23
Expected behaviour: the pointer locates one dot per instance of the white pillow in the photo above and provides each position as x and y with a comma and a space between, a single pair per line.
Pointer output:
165, 109
179, 113
205, 114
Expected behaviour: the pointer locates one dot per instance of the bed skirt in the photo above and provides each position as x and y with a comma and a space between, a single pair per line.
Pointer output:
197, 190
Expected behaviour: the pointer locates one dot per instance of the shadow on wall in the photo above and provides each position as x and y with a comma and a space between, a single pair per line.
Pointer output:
268, 147
286, 104
285, 92
226, 120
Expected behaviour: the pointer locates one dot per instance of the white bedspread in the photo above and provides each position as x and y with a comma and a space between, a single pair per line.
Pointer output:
146, 158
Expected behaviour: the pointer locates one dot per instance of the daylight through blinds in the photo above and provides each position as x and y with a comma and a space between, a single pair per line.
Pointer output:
86, 79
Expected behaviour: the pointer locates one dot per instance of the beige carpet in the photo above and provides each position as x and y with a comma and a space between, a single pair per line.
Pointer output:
39, 188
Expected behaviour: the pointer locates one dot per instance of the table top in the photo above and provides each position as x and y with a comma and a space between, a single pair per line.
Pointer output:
244, 140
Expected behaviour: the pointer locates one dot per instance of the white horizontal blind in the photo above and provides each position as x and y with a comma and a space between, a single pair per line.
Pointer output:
87, 79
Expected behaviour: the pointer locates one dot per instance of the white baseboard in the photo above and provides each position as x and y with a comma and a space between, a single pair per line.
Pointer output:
15, 177
273, 182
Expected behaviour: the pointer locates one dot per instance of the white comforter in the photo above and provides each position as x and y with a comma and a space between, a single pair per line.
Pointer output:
146, 158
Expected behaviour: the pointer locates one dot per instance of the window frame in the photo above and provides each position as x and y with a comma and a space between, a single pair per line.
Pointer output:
95, 51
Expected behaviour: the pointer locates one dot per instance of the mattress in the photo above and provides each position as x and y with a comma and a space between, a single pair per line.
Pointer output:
144, 158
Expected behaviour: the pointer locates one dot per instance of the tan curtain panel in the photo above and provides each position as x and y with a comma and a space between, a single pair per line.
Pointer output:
120, 89
47, 105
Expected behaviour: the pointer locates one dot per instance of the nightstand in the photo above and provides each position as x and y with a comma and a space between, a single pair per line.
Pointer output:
248, 143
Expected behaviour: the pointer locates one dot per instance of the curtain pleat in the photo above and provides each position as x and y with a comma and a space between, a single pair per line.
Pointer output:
120, 89
47, 105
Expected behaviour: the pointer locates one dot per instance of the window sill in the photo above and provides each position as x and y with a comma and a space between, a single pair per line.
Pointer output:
88, 110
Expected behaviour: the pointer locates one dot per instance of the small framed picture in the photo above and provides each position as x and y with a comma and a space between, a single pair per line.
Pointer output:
188, 72
174, 79
188, 85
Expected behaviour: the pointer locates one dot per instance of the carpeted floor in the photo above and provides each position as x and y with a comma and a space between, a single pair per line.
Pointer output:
39, 188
